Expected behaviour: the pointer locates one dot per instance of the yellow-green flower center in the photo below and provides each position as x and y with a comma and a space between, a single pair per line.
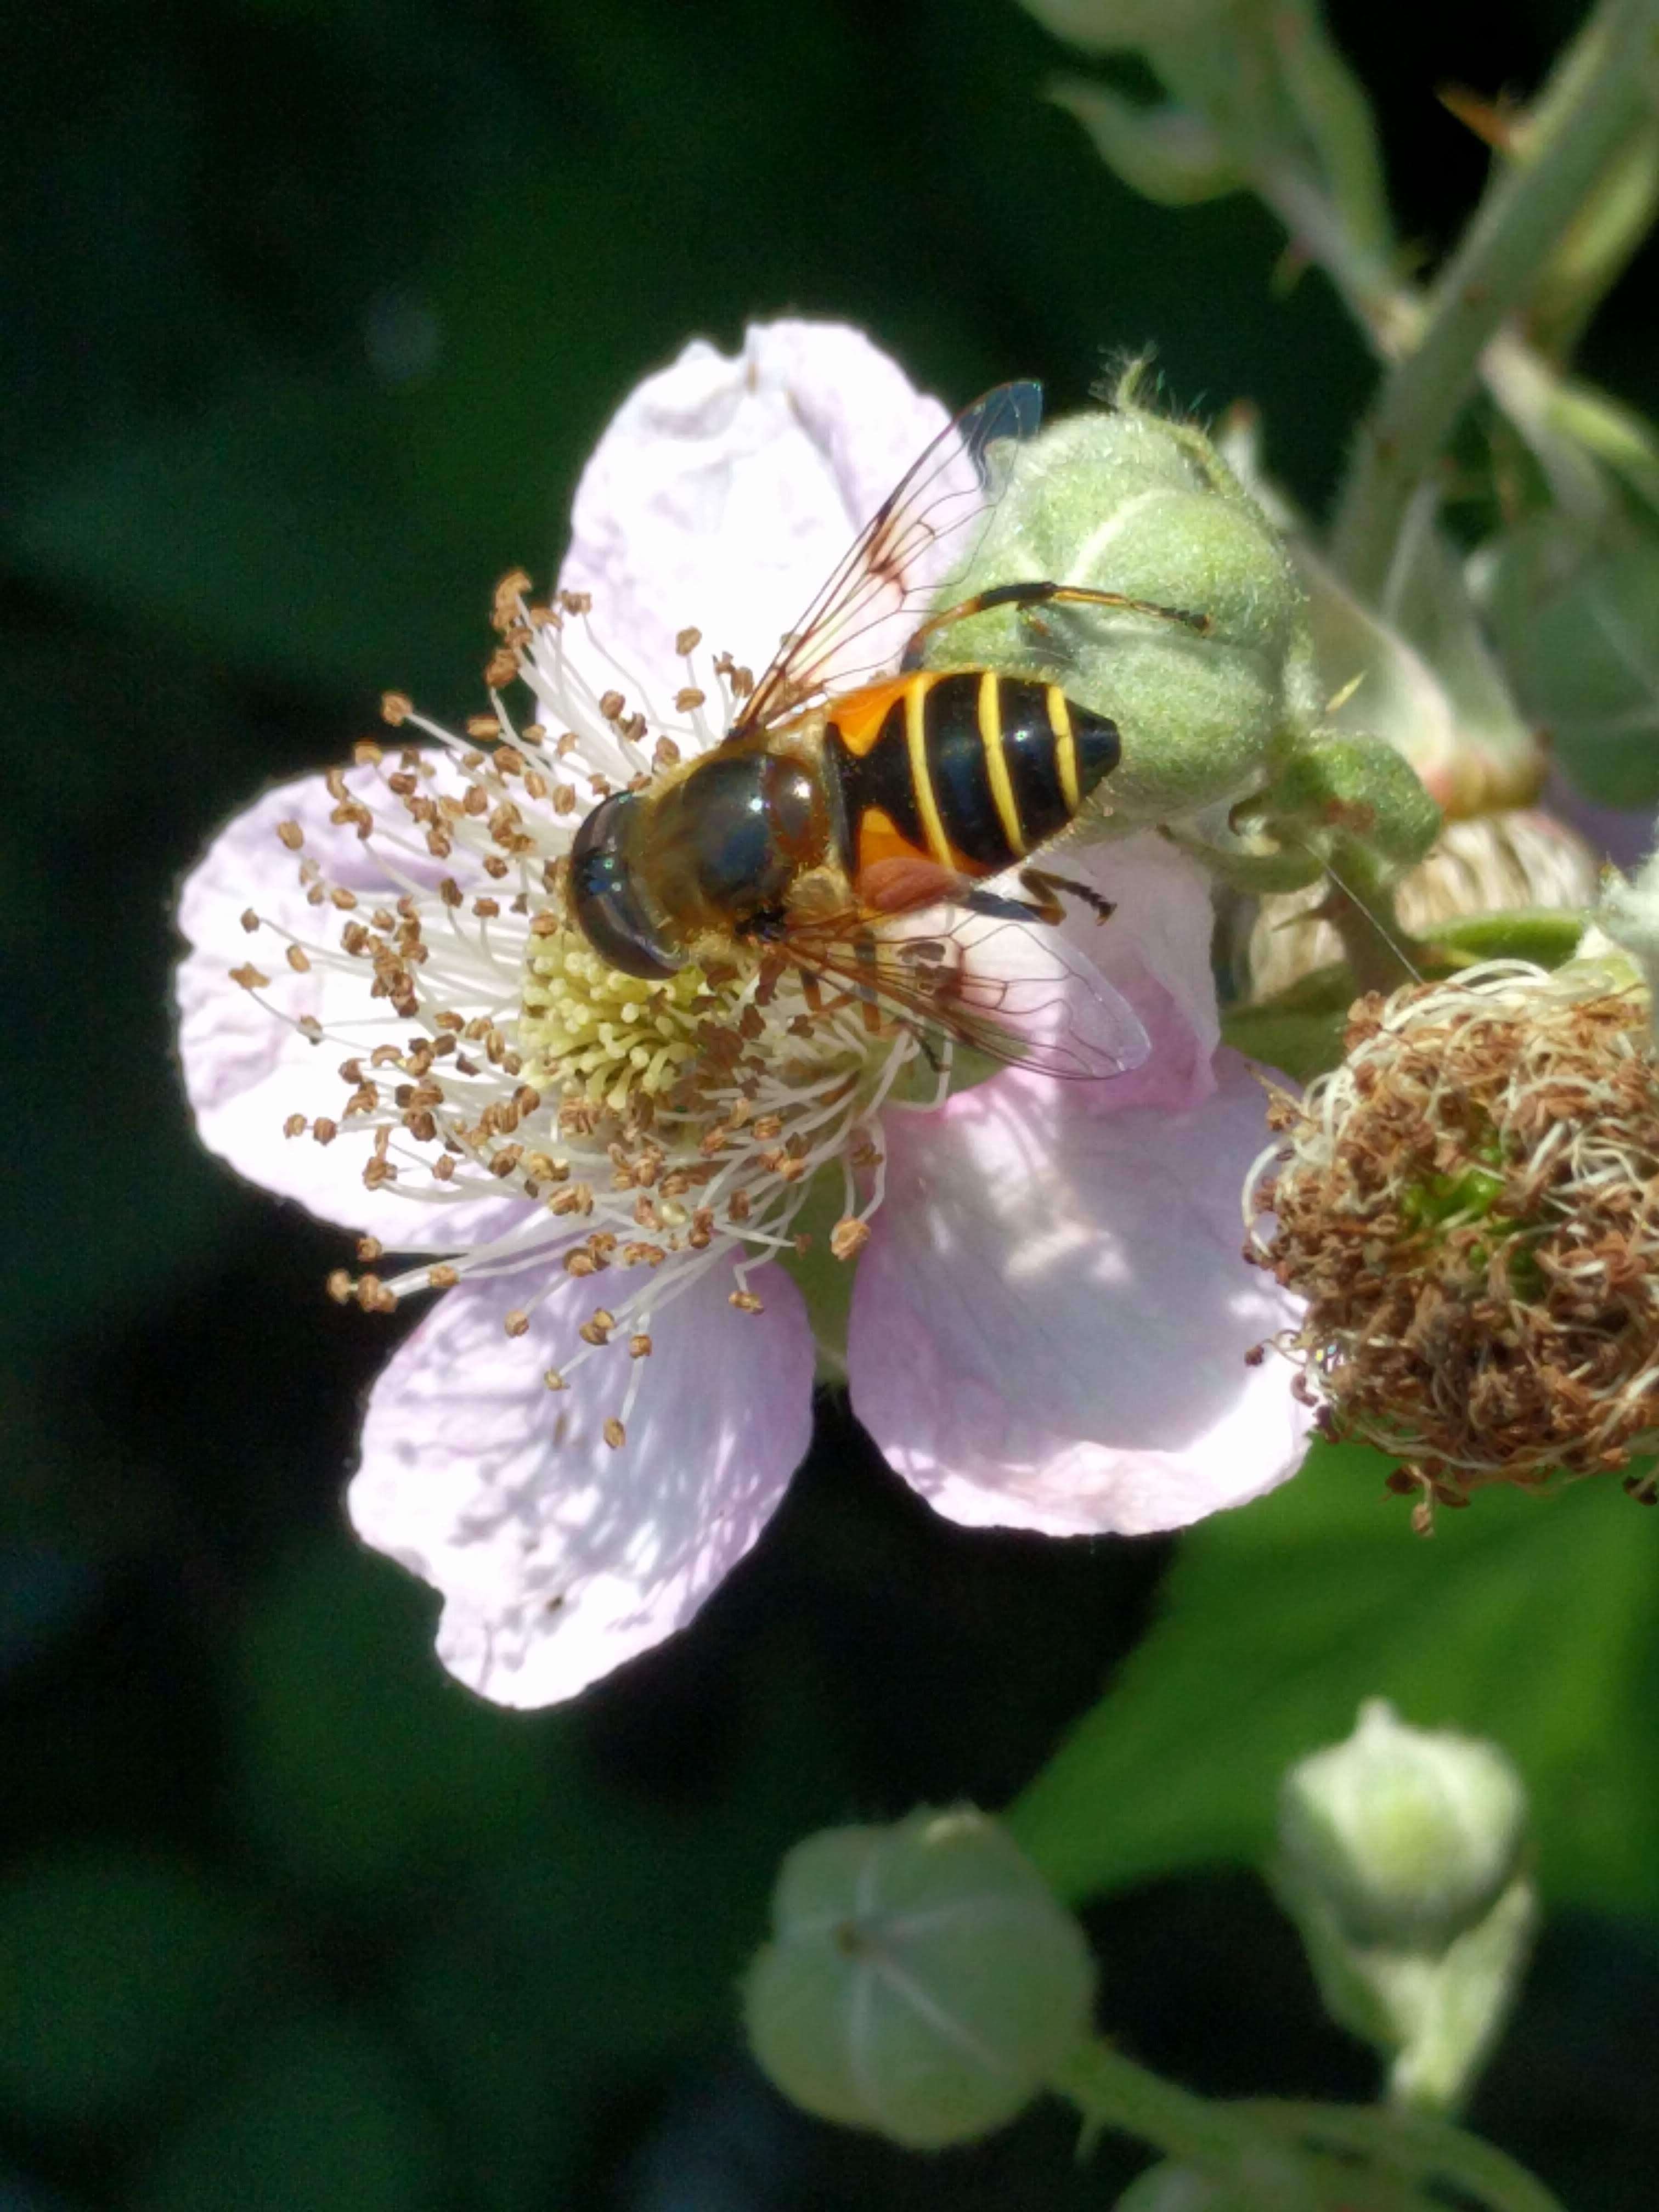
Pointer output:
588, 1030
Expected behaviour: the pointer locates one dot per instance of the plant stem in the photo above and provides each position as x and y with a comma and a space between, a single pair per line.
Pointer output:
1214, 2139
1588, 111
1274, 2157
1417, 2147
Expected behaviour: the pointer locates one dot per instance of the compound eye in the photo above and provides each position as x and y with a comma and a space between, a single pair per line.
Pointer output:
605, 901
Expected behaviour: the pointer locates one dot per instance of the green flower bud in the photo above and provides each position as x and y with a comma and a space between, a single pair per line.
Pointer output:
1125, 501
1399, 1857
921, 1980
1408, 1835
1168, 154
1106, 26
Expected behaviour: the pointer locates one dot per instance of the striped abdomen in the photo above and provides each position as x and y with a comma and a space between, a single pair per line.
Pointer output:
971, 771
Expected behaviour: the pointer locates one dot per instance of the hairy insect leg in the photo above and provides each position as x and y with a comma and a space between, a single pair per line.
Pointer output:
1044, 905
1035, 594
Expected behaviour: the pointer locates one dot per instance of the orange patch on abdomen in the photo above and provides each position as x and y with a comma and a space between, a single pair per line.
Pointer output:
859, 715
880, 840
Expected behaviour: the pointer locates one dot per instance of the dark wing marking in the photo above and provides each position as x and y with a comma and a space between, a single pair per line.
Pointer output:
921, 529
1022, 995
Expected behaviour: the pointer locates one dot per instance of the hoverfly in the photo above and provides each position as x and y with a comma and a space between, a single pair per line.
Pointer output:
850, 832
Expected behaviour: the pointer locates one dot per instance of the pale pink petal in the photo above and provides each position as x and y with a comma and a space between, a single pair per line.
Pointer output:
725, 490
1155, 948
1049, 1326
247, 1068
559, 1557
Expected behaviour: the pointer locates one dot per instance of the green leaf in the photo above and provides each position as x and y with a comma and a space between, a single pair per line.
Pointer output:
325, 2114
116, 1970
1534, 1621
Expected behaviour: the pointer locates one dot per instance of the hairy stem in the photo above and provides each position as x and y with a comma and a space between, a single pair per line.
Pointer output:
1587, 113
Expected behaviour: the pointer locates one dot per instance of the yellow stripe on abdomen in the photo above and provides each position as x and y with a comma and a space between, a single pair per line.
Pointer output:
1060, 721
921, 780
996, 763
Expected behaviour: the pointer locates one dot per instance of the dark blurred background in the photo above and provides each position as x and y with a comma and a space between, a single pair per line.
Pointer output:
313, 310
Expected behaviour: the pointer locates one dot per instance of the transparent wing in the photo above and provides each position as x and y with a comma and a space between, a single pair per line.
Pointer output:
927, 525
1020, 993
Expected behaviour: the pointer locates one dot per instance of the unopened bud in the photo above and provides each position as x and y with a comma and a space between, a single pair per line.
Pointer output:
921, 1981
1407, 1836
1400, 1857
1206, 696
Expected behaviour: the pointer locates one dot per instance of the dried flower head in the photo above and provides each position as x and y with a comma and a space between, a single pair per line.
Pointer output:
1470, 1206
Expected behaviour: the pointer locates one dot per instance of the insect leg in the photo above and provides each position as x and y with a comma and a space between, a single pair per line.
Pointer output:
1044, 905
1045, 888
1038, 594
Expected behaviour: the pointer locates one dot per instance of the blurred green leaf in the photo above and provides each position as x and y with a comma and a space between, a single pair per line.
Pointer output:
619, 1941
1575, 624
1530, 1620
115, 1970
327, 2116
361, 1765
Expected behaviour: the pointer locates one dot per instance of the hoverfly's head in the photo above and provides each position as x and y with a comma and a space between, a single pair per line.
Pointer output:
608, 900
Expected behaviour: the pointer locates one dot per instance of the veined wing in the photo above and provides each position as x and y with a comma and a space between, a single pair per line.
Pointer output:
925, 526
1023, 995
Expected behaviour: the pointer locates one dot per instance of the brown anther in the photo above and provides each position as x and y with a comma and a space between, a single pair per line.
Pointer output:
687, 640
368, 1248
367, 753
848, 1237
576, 603
249, 977
614, 1435
298, 960
291, 835
372, 1294
598, 1329
501, 668
580, 1261
746, 1301
250, 919
396, 708
665, 753
766, 1127
483, 726
486, 909
506, 1160
340, 1286
294, 1125
340, 897
442, 1276
552, 1380
739, 1207
639, 1347
611, 704
324, 1130
516, 1323
449, 891
443, 1168
564, 798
